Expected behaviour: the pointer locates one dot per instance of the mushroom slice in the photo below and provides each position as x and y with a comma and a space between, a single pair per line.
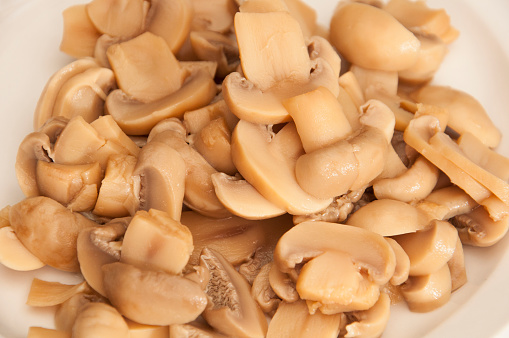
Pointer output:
162, 172
100, 320
267, 162
371, 322
413, 185
196, 120
196, 329
391, 49
283, 285
124, 18
45, 104
231, 309
389, 217
138, 118
242, 199
13, 253
466, 114
152, 297
99, 246
156, 229
429, 292
214, 16
402, 269
137, 330
117, 197
49, 230
43, 293
171, 20
68, 184
429, 249
310, 239
145, 67
262, 292
476, 228
41, 332
4, 216
294, 320
457, 267
377, 80
110, 131
447, 202
79, 35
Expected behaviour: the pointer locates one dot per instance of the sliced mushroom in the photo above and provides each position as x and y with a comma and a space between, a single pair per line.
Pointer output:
371, 322
4, 216
99, 246
294, 320
267, 162
137, 330
447, 202
283, 285
391, 49
42, 332
193, 329
429, 249
162, 173
49, 230
231, 308
429, 292
375, 80
196, 120
154, 240
145, 67
100, 320
14, 255
43, 293
124, 18
262, 292
66, 312
216, 17
457, 267
477, 228
402, 269
152, 297
79, 35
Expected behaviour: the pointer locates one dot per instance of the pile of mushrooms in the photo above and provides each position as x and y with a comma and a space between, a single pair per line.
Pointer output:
208, 165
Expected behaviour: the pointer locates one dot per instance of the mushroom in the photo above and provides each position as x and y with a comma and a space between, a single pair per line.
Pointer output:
196, 120
428, 292
161, 172
294, 320
477, 228
457, 267
283, 285
14, 255
98, 246
124, 19
354, 282
215, 17
100, 320
79, 35
42, 332
193, 329
375, 80
267, 161
262, 292
49, 230
429, 249
392, 49
43, 293
371, 322
231, 309
154, 240
276, 65
137, 330
152, 297
66, 312
402, 269
447, 202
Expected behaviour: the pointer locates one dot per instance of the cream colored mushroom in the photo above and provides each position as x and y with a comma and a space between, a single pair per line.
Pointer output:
267, 162
191, 329
262, 292
216, 17
429, 292
429, 249
14, 255
152, 297
137, 330
357, 275
49, 230
124, 19
157, 229
43, 293
98, 246
231, 308
283, 285
371, 322
391, 49
402, 269
66, 312
477, 228
100, 320
294, 320
42, 332
447, 202
196, 120
276, 65
378, 80
457, 267
79, 35
161, 172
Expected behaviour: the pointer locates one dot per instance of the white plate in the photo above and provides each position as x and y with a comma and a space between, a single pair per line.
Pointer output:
478, 63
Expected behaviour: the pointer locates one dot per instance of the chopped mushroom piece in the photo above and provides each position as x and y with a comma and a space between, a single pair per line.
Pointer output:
100, 320
41, 332
216, 16
43, 293
125, 18
262, 292
283, 285
14, 255
79, 35
370, 323
477, 228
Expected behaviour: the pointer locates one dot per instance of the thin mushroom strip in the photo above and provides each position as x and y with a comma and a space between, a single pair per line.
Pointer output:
233, 168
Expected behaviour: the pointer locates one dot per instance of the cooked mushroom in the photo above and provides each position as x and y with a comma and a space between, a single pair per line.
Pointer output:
43, 293
98, 246
100, 320
193, 329
377, 80
392, 49
214, 16
42, 332
262, 292
124, 19
66, 312
49, 230
154, 240
14, 255
283, 285
152, 297
137, 330
447, 202
477, 228
457, 267
231, 309
79, 35
402, 269
196, 120
371, 322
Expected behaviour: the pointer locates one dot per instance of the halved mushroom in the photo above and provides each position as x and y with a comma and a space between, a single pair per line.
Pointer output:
216, 16
267, 162
196, 120
154, 240
429, 249
477, 228
242, 199
429, 292
79, 35
447, 202
402, 269
124, 18
98, 246
392, 49
100, 320
14, 255
276, 65
262, 292
231, 309
371, 322
49, 230
162, 172
152, 297
294, 320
